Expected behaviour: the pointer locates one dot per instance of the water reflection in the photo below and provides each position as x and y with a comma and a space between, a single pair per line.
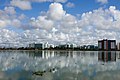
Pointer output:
71, 65
50, 54
106, 56
118, 56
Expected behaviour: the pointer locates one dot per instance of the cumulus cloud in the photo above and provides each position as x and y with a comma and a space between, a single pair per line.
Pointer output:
70, 5
10, 10
22, 4
41, 22
57, 26
62, 27
4, 23
102, 1
7, 36
22, 16
8, 17
56, 22
16, 23
26, 4
56, 11
47, 21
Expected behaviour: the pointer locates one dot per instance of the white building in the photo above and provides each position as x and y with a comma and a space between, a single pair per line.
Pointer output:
46, 45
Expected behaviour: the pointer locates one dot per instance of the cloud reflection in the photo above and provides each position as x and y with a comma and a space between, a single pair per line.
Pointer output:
69, 64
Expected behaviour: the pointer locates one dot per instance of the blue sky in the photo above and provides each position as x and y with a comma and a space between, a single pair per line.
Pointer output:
59, 21
80, 6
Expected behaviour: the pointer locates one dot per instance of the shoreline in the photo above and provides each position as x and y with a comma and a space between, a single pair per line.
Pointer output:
59, 50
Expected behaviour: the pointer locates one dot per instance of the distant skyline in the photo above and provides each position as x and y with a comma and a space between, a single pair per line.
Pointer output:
59, 21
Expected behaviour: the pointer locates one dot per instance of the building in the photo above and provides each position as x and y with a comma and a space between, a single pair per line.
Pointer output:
64, 46
36, 45
46, 45
107, 44
106, 56
90, 47
51, 46
31, 45
118, 46
73, 46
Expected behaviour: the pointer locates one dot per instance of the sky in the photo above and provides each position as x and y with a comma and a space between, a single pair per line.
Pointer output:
58, 21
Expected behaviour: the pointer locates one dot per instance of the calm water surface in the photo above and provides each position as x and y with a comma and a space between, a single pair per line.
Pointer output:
59, 65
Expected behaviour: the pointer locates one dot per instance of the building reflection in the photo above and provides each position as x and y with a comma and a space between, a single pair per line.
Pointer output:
49, 54
118, 55
106, 56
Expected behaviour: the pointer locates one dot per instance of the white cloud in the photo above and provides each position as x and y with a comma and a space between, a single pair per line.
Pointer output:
8, 17
62, 1
22, 4
10, 10
22, 16
69, 20
4, 23
102, 1
58, 26
41, 22
26, 4
70, 5
56, 11
7, 36
16, 23
87, 29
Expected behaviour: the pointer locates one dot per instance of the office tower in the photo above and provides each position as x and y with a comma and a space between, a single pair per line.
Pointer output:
107, 44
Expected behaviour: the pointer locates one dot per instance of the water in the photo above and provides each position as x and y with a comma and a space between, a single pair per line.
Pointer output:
59, 65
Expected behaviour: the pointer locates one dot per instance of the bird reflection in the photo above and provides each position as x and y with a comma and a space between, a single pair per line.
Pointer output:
107, 56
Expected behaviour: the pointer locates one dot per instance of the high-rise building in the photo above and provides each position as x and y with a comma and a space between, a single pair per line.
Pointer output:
107, 44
